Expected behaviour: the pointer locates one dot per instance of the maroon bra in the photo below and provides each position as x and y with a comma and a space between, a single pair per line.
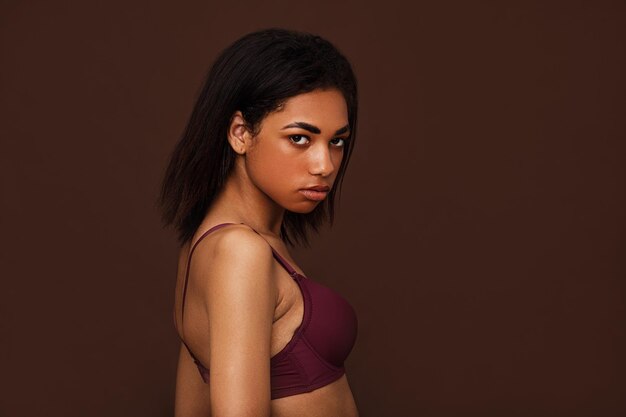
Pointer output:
315, 355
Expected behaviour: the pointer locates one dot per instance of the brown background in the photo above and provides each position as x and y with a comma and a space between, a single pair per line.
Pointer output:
481, 232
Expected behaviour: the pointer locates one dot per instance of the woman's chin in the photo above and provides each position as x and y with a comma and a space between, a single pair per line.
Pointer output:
304, 208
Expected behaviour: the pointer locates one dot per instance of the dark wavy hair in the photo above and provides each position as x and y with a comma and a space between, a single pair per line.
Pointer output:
254, 75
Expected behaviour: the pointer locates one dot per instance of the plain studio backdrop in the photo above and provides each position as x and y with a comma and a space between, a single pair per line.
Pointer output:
480, 232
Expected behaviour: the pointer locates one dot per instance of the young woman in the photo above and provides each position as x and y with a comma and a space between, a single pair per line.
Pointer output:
258, 165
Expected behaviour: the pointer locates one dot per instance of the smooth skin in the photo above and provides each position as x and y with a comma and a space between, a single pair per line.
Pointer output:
242, 307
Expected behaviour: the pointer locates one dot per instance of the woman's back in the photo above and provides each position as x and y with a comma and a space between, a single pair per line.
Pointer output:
306, 370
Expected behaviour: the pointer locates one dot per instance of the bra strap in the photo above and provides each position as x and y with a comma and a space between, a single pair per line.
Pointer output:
182, 312
182, 309
278, 257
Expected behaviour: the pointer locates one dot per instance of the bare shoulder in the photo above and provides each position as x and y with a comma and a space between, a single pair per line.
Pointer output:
234, 254
241, 241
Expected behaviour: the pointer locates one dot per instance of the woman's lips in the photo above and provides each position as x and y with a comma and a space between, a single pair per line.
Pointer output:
314, 195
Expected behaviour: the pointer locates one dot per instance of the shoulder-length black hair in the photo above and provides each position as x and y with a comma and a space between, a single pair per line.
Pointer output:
254, 75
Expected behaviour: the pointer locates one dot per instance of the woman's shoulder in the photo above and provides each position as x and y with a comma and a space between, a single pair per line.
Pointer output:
226, 235
233, 248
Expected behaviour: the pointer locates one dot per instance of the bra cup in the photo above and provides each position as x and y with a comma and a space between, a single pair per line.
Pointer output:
332, 330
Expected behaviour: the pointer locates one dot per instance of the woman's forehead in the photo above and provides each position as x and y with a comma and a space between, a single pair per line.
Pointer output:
322, 108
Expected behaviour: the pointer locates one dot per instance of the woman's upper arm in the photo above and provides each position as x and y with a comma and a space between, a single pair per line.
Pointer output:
240, 298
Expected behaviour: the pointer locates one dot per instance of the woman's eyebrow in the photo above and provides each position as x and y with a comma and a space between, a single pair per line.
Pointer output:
314, 129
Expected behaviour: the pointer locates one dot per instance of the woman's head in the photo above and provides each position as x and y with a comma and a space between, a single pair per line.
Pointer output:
297, 147
260, 75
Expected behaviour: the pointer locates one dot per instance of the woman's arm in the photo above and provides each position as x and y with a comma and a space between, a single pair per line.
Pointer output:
240, 299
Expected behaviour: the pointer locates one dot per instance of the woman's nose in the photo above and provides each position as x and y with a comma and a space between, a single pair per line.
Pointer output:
321, 161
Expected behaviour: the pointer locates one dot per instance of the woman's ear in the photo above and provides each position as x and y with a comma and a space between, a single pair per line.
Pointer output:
238, 133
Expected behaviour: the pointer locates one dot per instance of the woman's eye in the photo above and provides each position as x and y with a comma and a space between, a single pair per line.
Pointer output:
340, 144
297, 139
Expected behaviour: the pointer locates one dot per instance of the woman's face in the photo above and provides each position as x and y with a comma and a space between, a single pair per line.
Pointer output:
299, 146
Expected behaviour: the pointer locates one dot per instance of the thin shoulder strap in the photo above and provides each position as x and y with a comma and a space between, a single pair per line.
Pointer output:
193, 248
278, 257
182, 312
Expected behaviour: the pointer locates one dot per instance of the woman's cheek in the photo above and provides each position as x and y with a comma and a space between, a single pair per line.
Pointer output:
270, 175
